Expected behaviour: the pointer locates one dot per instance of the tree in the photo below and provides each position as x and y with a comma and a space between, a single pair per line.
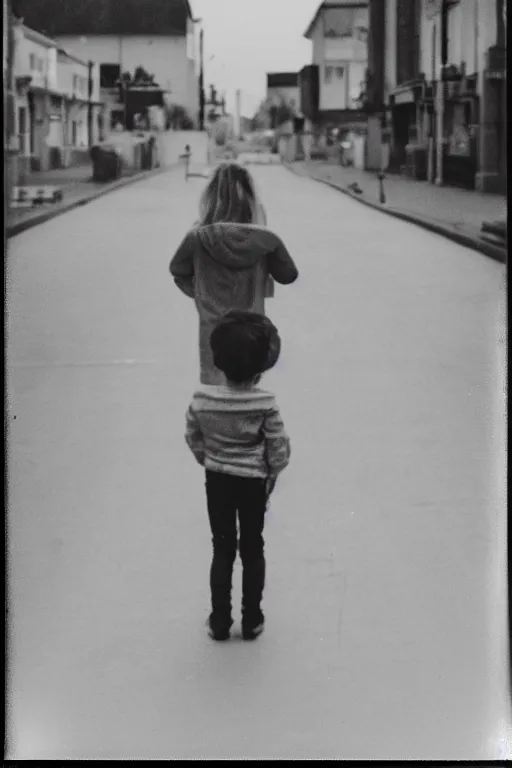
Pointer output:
140, 78
178, 118
280, 113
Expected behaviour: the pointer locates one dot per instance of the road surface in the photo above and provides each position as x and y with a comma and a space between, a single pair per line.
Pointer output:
385, 603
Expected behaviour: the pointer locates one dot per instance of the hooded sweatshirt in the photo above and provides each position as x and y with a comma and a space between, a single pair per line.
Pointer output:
227, 266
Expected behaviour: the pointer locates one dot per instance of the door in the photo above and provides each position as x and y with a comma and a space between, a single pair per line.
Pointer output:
22, 130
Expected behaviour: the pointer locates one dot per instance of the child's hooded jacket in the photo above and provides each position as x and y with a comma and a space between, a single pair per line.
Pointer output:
227, 266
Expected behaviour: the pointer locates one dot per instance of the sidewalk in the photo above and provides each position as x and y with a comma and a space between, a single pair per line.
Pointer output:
77, 187
455, 213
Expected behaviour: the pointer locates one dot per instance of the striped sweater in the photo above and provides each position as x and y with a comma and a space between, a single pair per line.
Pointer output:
237, 430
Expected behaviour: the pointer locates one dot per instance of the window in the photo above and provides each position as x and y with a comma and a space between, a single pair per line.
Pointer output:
73, 133
333, 72
109, 75
32, 62
75, 83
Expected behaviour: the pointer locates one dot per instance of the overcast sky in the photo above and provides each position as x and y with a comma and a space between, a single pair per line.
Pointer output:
249, 38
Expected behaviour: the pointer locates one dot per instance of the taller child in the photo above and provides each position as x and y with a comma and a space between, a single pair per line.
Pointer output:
227, 261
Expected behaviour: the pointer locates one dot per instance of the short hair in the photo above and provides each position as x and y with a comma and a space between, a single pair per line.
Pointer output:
244, 345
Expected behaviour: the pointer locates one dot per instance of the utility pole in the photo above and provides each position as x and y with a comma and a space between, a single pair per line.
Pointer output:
441, 91
432, 123
90, 65
238, 114
201, 80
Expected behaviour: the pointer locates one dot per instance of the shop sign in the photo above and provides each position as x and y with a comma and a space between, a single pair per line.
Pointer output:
405, 97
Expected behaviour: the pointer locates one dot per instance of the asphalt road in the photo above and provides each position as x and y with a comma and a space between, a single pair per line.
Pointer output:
385, 604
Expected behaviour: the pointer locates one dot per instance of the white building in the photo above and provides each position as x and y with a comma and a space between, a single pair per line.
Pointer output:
339, 34
51, 114
158, 35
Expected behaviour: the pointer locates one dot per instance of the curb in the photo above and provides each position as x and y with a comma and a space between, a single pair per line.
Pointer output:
34, 221
487, 249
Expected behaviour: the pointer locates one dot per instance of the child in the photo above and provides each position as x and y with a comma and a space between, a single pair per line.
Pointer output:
229, 259
235, 431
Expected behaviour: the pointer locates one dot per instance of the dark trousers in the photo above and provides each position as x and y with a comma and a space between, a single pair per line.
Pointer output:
226, 495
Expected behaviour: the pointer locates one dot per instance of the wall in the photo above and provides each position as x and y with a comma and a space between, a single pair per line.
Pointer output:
36, 59
164, 57
471, 31
68, 70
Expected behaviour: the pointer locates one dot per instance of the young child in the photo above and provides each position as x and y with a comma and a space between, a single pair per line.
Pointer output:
235, 431
229, 259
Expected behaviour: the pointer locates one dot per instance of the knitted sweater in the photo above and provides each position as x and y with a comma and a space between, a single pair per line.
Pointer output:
237, 430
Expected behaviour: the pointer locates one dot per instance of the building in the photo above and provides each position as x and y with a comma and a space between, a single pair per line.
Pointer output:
445, 90
56, 103
332, 86
283, 87
373, 98
79, 83
158, 35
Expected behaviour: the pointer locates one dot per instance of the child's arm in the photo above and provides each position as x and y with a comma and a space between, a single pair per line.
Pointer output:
281, 265
277, 443
194, 436
182, 267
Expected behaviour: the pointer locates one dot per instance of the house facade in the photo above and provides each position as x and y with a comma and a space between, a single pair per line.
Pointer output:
56, 102
337, 75
445, 90
158, 35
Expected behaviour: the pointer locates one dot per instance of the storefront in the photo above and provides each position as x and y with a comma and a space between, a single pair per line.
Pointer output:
461, 120
405, 118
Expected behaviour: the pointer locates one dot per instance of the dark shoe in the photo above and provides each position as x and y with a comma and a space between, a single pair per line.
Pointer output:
218, 633
251, 633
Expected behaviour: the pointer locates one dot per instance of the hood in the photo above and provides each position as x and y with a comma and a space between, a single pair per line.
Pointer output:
236, 246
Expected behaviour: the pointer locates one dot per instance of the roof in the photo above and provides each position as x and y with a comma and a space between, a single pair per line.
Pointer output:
71, 56
332, 4
106, 17
282, 79
37, 37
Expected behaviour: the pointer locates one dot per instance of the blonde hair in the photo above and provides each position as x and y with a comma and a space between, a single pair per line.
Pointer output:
230, 196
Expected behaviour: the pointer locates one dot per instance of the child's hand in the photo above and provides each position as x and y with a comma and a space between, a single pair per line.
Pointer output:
270, 484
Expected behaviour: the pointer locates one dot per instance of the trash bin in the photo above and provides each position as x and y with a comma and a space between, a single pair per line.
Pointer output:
106, 163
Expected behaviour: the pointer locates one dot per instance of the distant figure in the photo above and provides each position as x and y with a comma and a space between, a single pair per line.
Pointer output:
228, 259
236, 433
